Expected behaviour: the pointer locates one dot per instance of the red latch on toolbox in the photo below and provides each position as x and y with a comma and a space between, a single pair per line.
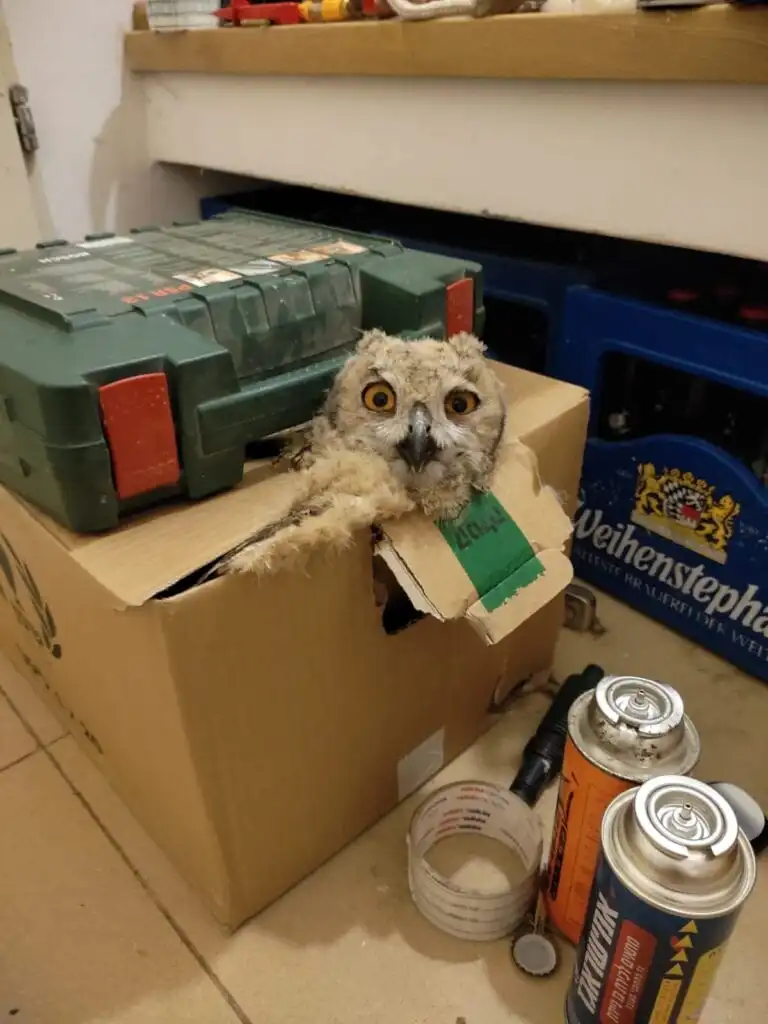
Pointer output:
138, 423
459, 306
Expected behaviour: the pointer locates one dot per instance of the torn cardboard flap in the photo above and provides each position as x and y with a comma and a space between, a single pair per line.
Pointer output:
149, 552
497, 563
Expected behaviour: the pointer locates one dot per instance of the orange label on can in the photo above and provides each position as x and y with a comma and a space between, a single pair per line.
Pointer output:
585, 792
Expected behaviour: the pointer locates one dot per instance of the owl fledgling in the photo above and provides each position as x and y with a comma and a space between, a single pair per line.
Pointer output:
433, 410
407, 425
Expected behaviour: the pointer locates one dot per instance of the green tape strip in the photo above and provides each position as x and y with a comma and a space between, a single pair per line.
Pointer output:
492, 550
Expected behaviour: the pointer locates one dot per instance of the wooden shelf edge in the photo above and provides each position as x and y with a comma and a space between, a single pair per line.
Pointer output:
710, 44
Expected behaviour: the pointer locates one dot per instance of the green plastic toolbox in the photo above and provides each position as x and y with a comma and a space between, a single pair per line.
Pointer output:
139, 367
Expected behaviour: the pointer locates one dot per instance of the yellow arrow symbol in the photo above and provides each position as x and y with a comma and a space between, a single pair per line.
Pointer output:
681, 957
675, 972
690, 928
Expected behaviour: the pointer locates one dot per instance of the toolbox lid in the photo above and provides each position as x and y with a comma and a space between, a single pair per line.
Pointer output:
149, 553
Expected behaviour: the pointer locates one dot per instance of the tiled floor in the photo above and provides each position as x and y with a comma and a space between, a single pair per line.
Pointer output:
96, 926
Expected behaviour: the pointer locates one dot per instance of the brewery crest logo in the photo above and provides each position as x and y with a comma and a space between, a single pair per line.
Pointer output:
683, 508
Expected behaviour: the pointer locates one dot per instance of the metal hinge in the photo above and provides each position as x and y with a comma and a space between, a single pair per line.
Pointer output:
581, 610
22, 115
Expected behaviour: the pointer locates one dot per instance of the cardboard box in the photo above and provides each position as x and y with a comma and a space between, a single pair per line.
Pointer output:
256, 726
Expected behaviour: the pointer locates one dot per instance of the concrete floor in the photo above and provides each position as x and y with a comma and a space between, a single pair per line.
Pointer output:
96, 926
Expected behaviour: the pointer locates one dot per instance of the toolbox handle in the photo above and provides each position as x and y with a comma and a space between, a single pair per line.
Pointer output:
265, 407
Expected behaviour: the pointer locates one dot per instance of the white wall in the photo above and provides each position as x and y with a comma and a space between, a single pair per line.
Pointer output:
92, 162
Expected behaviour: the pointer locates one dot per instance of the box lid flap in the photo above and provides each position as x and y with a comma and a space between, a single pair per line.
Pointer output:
496, 564
151, 552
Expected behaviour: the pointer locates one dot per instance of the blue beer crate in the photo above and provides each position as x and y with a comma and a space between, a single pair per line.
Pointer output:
673, 509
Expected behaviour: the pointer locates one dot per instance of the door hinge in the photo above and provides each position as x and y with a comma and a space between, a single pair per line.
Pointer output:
22, 115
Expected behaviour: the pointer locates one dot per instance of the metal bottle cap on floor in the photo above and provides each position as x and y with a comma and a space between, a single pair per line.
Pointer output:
535, 954
681, 817
533, 951
749, 814
645, 705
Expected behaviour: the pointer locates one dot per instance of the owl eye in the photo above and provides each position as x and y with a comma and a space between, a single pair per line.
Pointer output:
379, 397
461, 403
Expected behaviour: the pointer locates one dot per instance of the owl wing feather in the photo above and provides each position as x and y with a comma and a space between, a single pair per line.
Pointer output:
340, 493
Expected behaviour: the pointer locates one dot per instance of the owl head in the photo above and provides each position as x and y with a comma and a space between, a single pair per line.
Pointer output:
434, 410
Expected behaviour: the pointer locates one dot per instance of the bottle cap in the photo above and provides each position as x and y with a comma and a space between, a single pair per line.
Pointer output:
682, 295
755, 314
535, 954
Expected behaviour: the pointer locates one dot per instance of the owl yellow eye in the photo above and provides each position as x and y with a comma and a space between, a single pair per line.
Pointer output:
461, 403
379, 397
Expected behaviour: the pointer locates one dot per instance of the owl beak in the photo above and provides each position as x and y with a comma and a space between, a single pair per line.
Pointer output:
418, 446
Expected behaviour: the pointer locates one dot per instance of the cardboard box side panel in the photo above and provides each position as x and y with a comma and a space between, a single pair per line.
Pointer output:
104, 673
534, 399
301, 707
559, 446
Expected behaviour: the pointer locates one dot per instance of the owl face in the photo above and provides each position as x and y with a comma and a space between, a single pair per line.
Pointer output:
432, 409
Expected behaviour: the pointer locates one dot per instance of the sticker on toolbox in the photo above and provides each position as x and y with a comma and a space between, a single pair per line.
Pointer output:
206, 276
339, 248
256, 268
105, 243
298, 258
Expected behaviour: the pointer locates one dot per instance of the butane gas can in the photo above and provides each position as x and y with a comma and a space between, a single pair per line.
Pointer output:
673, 876
628, 729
